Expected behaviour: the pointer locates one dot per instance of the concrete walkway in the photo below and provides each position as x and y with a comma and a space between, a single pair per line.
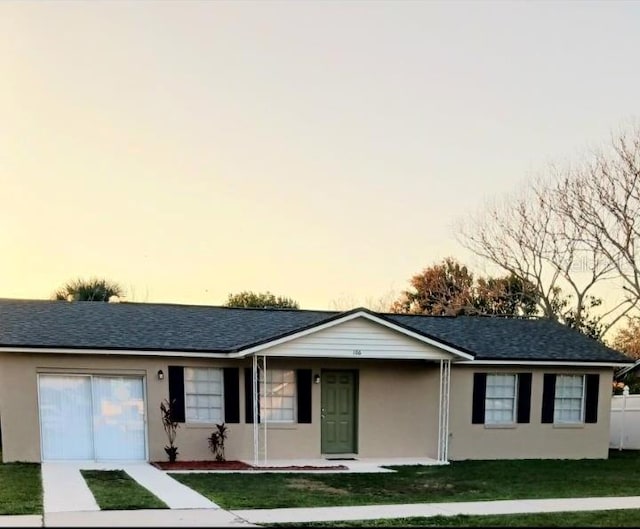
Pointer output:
373, 512
323, 466
251, 518
65, 490
138, 518
147, 518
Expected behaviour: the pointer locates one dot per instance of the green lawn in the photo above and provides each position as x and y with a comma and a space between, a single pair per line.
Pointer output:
20, 488
459, 481
116, 490
614, 518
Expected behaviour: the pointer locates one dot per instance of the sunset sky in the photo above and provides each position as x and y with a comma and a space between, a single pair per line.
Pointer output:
319, 150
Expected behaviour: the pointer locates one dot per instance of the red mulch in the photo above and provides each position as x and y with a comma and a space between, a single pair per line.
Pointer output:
232, 465
201, 465
303, 467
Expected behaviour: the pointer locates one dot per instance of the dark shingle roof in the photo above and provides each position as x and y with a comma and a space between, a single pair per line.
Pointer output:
495, 338
147, 326
167, 327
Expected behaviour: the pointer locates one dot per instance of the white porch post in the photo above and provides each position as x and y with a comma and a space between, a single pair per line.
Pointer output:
263, 416
259, 417
443, 412
256, 425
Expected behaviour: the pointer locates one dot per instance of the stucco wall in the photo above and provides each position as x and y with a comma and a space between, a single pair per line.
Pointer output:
526, 441
397, 415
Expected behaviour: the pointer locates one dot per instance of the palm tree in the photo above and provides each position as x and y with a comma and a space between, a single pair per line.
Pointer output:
89, 290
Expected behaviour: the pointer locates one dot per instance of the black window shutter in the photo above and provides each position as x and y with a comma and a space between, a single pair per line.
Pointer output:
479, 394
248, 394
303, 381
176, 392
592, 388
524, 397
548, 397
231, 394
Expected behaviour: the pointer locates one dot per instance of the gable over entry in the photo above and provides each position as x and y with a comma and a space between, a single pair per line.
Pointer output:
357, 334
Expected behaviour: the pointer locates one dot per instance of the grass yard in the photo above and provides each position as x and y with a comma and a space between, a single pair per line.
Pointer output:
20, 488
614, 518
116, 490
459, 481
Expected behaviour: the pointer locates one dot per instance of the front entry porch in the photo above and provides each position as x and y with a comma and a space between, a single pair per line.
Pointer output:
360, 413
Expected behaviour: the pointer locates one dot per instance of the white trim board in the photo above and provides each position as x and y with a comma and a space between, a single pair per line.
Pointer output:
540, 363
196, 354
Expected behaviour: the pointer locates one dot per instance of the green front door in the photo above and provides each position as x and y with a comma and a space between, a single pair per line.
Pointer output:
338, 412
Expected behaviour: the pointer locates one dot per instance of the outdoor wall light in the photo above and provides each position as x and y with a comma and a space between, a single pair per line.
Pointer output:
160, 374
316, 379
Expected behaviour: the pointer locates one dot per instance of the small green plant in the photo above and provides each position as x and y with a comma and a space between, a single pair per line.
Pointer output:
170, 428
216, 441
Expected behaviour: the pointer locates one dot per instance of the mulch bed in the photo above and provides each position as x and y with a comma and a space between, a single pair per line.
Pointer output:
232, 465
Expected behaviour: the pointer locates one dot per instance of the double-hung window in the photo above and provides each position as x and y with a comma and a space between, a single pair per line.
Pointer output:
569, 399
203, 388
279, 399
501, 399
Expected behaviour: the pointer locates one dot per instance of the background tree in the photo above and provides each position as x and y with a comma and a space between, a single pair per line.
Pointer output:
449, 288
260, 300
627, 339
505, 296
441, 289
89, 290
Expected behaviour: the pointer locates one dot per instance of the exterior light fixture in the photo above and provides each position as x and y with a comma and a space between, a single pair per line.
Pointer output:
316, 379
160, 374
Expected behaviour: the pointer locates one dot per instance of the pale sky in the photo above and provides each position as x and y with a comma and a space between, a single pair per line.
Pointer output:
318, 150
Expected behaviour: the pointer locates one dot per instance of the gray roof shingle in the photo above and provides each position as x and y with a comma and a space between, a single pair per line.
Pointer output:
168, 327
499, 338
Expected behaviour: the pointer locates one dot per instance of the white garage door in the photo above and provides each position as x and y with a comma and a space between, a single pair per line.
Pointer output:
85, 417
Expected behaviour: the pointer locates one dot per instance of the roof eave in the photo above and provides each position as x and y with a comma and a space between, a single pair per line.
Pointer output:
115, 351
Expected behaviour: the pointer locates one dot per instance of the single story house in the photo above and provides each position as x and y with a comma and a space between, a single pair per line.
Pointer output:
85, 380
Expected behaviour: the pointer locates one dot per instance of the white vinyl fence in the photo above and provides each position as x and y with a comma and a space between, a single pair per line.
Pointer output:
625, 421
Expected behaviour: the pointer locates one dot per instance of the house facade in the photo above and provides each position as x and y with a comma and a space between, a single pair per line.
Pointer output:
84, 381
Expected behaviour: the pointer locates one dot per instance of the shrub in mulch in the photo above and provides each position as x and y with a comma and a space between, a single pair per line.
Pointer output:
233, 465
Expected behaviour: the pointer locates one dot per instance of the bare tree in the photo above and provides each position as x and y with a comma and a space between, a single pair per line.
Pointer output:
344, 302
602, 200
531, 236
381, 303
